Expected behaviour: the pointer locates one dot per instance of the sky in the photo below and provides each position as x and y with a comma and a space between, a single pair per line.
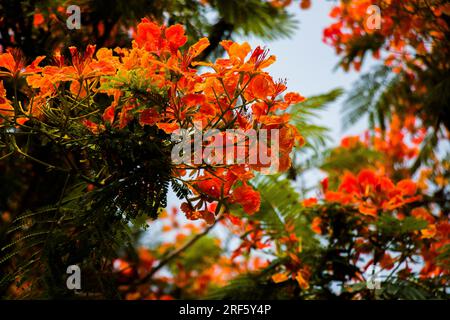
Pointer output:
309, 65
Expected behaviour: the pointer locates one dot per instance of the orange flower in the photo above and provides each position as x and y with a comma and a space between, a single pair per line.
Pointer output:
316, 225
429, 232
371, 192
386, 185
123, 267
148, 35
350, 142
367, 209
86, 67
309, 202
284, 162
421, 213
280, 277
175, 36
149, 117
193, 99
305, 4
38, 19
8, 62
407, 187
340, 197
210, 186
14, 63
367, 178
394, 203
93, 127
302, 282
6, 109
145, 258
168, 127
386, 262
293, 98
202, 214
349, 183
109, 114
154, 84
236, 50
288, 135
153, 38
198, 48
280, 3
260, 87
248, 198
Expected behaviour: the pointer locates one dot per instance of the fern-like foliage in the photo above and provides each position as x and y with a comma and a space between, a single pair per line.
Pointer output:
280, 205
379, 94
256, 17
255, 286
304, 114
84, 229
128, 178
371, 96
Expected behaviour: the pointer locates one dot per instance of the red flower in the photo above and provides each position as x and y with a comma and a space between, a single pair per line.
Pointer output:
148, 35
6, 109
349, 184
293, 98
175, 36
324, 184
210, 186
309, 202
260, 87
387, 262
316, 225
38, 19
108, 115
407, 187
367, 178
149, 117
248, 198
14, 62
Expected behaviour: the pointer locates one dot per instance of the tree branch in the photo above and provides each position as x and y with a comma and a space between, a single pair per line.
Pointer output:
176, 253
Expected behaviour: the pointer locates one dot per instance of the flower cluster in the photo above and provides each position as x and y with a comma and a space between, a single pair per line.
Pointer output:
371, 192
194, 273
386, 210
155, 84
389, 151
304, 4
403, 25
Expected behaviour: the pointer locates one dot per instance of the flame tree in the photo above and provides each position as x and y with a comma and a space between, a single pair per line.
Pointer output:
93, 126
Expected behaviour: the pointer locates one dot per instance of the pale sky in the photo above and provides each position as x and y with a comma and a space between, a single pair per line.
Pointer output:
309, 64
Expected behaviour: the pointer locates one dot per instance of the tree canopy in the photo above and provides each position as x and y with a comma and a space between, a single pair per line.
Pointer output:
100, 125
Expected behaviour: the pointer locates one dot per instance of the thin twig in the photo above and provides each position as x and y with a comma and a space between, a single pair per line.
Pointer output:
177, 252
